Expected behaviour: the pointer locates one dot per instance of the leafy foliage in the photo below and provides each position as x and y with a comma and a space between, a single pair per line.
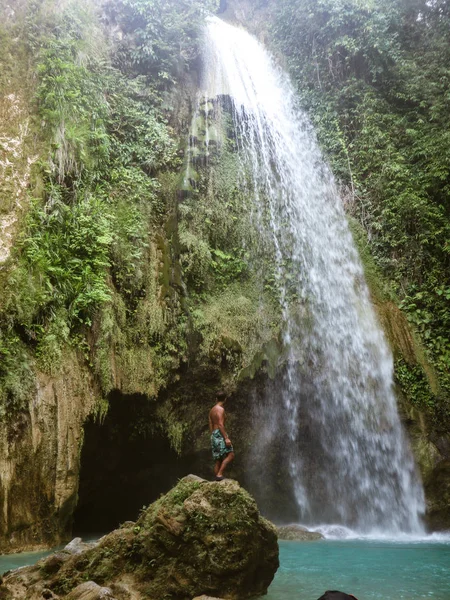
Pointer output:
86, 239
16, 374
71, 104
68, 246
161, 36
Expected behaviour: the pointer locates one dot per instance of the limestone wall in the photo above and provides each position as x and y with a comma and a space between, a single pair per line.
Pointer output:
40, 459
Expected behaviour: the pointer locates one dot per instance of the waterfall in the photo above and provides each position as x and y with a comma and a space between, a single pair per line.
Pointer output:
348, 458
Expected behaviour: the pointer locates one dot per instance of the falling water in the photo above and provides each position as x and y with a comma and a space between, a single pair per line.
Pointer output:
356, 467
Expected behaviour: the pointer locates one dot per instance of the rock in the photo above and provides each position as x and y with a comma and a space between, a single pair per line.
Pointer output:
47, 439
200, 538
335, 595
52, 564
297, 533
90, 591
206, 598
193, 478
437, 491
77, 546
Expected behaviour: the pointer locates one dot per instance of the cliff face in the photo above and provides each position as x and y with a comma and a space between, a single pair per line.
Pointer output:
16, 149
124, 270
40, 459
118, 282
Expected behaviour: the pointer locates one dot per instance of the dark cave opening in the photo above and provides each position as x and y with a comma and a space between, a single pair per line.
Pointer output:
126, 463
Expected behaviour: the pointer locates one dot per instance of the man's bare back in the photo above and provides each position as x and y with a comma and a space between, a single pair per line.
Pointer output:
217, 418
221, 446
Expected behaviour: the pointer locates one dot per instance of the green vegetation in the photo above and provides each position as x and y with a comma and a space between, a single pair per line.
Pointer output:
374, 76
415, 385
114, 260
224, 257
85, 261
161, 36
106, 260
172, 501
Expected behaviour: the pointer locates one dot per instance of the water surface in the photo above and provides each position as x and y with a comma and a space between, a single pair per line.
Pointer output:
369, 569
14, 561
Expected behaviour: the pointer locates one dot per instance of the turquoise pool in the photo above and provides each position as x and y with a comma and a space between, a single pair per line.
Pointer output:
369, 569
13, 561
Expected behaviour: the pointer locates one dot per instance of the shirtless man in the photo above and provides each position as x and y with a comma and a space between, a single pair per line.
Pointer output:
221, 447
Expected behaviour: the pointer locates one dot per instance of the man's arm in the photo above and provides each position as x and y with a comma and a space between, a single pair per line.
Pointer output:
210, 423
221, 426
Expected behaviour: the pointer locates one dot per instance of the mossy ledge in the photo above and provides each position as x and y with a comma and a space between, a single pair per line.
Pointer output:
200, 538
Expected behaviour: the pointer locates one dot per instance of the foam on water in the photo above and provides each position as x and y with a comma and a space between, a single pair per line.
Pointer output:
340, 532
357, 469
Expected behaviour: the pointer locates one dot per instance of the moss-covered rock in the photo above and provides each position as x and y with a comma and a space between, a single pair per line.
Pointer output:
297, 533
200, 538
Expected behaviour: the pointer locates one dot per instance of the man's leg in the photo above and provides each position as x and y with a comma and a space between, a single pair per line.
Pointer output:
217, 466
226, 461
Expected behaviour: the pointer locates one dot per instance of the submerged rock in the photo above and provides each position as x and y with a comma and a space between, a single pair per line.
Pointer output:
297, 533
200, 538
335, 595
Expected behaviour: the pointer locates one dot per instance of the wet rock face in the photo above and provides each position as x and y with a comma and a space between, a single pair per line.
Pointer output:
40, 459
437, 489
201, 538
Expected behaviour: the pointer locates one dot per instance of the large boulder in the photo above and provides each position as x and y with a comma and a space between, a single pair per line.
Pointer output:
201, 538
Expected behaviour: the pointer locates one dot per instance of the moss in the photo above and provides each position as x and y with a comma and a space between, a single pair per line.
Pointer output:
173, 500
173, 426
110, 152
413, 371
378, 285
437, 488
201, 537
17, 375
235, 319
297, 533
189, 179
165, 266
269, 356
415, 384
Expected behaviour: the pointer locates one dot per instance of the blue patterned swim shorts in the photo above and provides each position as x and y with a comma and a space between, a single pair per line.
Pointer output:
218, 447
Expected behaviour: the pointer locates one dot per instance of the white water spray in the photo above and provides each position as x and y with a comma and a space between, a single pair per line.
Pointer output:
358, 469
